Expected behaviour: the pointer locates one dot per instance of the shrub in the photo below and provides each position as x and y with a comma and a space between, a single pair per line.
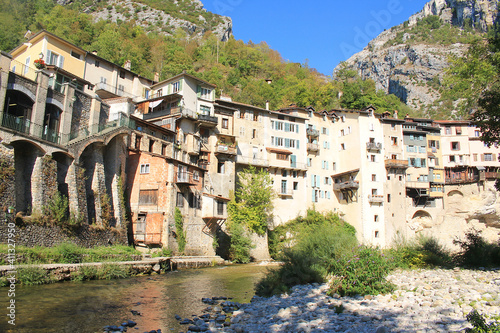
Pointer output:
479, 324
85, 273
179, 227
164, 252
239, 250
113, 271
32, 275
57, 209
476, 252
70, 253
422, 252
360, 272
297, 269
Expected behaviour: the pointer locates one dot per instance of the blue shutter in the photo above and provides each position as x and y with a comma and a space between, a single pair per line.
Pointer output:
297, 128
198, 91
287, 143
287, 127
297, 142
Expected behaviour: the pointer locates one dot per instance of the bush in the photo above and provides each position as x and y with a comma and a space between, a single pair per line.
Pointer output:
32, 275
479, 324
179, 228
423, 252
164, 252
85, 273
361, 272
113, 271
297, 269
476, 252
239, 250
70, 253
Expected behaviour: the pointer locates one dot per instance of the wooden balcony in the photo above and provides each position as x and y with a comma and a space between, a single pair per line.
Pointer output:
313, 147
348, 185
399, 164
375, 198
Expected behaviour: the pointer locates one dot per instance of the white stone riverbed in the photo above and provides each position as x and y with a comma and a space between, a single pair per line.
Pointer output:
424, 301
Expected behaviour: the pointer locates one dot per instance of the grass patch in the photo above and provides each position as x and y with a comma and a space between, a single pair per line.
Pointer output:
33, 275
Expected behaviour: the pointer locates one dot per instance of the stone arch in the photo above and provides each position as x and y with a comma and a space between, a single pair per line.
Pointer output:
55, 102
422, 214
421, 220
22, 89
27, 157
454, 193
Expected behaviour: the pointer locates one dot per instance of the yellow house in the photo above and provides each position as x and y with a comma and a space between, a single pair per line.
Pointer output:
63, 60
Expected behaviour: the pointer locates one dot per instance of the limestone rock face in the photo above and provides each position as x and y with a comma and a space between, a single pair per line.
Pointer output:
161, 22
411, 71
467, 207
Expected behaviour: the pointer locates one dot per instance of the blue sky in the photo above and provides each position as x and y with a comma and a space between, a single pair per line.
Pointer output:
323, 32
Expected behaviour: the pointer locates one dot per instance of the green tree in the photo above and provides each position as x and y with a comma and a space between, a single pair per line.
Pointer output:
253, 204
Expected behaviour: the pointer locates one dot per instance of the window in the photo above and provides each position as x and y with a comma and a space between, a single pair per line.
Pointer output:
295, 186
284, 173
97, 63
75, 55
137, 144
176, 86
447, 130
54, 59
121, 87
282, 157
206, 93
477, 134
144, 168
122, 74
372, 158
474, 156
254, 133
393, 127
452, 158
279, 142
377, 234
488, 157
374, 178
148, 197
283, 186
375, 218
458, 130
334, 167
225, 123
221, 167
374, 191
151, 145
242, 131
342, 146
205, 110
388, 198
220, 207
196, 175
159, 92
455, 145
394, 141
342, 133
256, 116
179, 200
242, 115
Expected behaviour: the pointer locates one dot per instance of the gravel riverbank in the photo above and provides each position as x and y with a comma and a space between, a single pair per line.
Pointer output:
424, 301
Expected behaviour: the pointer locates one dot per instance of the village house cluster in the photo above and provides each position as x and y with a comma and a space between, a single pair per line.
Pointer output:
105, 130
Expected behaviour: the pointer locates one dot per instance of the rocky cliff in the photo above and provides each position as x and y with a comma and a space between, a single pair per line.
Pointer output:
192, 18
408, 62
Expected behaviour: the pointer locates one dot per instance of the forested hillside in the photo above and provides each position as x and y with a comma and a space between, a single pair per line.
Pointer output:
238, 69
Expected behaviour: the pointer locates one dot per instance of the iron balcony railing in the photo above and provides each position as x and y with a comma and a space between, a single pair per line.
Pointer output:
99, 129
27, 127
207, 119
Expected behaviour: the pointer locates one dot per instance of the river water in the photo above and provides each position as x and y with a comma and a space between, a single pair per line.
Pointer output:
83, 307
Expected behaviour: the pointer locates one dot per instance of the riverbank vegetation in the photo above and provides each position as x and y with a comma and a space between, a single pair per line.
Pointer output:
323, 248
69, 253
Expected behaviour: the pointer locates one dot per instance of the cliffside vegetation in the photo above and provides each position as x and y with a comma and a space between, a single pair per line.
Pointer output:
238, 69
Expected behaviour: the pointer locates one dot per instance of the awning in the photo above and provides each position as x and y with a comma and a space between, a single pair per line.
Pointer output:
154, 104
481, 168
345, 173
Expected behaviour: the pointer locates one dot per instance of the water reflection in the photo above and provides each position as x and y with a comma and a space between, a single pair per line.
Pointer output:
89, 306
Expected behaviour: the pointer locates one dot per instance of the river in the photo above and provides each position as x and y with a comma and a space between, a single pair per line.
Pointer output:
82, 307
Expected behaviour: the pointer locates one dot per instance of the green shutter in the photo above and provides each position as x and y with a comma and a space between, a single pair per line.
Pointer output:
198, 91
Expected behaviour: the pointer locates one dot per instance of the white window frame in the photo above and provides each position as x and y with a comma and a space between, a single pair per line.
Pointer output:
145, 168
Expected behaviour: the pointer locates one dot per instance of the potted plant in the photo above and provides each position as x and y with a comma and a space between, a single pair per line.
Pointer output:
39, 63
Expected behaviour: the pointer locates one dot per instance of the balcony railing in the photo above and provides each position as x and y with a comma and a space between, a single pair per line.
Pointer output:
312, 132
185, 178
312, 147
376, 198
492, 175
262, 162
297, 165
348, 185
461, 180
27, 127
111, 90
100, 129
377, 146
23, 70
148, 237
225, 149
283, 192
207, 119
402, 164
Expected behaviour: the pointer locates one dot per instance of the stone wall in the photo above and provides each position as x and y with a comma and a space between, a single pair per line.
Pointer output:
36, 235
81, 112
7, 179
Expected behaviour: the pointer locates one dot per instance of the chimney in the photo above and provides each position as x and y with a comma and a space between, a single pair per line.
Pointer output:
269, 81
127, 65
157, 77
94, 52
28, 34
395, 114
267, 105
